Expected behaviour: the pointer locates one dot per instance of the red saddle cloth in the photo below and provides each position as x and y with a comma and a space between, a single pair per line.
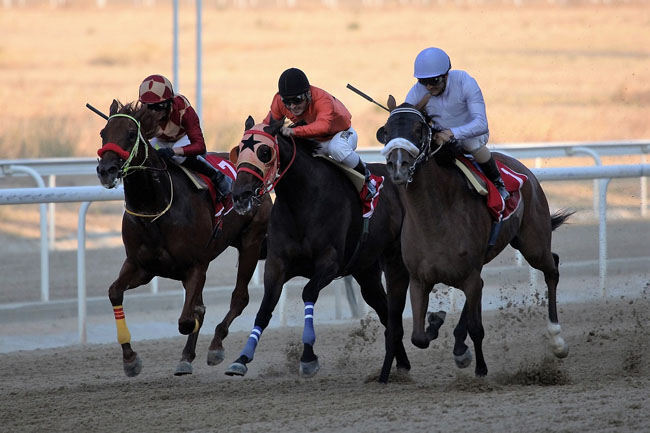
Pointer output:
228, 168
513, 181
369, 204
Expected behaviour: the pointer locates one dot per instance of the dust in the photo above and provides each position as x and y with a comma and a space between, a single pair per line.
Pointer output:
465, 383
361, 342
292, 352
546, 372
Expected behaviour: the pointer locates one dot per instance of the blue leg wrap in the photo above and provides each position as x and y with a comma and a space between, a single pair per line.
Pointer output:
251, 344
308, 333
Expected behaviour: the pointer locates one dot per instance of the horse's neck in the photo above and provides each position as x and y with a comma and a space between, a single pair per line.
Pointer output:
434, 193
147, 189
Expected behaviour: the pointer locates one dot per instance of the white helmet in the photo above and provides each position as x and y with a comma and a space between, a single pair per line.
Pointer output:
431, 62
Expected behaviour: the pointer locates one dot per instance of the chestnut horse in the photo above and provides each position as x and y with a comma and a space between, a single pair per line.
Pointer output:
316, 231
167, 231
447, 229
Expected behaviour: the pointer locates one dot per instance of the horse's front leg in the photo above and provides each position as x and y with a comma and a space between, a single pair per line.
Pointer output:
192, 315
419, 291
130, 277
248, 258
274, 279
327, 271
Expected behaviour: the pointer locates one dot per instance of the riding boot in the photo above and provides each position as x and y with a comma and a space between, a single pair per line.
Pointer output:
363, 169
221, 182
492, 172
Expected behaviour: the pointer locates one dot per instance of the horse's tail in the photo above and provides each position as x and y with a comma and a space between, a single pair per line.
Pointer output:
560, 217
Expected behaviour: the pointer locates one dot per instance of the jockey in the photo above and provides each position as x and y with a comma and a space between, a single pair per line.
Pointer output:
455, 104
180, 136
318, 116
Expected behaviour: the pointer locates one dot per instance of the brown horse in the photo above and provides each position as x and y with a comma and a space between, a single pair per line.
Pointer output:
316, 231
447, 229
167, 231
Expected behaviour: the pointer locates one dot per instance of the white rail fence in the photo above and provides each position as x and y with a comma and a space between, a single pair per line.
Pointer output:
37, 168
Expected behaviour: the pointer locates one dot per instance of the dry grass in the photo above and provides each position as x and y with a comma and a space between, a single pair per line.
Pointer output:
548, 73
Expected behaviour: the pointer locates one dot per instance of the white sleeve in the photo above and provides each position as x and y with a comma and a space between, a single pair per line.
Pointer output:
478, 124
414, 95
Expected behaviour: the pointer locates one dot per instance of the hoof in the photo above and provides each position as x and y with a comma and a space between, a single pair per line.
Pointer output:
133, 368
216, 357
560, 350
309, 369
464, 360
183, 368
435, 321
236, 369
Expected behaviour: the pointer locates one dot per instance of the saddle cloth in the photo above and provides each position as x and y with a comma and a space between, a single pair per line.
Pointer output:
513, 181
369, 204
203, 182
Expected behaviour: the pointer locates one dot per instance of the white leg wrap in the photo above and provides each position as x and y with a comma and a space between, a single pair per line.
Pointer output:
558, 345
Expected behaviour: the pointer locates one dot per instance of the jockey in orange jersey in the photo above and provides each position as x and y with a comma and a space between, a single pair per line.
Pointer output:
318, 116
180, 136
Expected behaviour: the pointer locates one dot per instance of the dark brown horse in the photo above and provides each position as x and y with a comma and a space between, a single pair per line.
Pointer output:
447, 229
167, 231
316, 231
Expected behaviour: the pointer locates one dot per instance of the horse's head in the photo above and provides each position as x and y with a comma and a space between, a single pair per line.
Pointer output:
407, 137
256, 158
124, 141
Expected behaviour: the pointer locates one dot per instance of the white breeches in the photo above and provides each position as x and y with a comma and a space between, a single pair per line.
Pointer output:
342, 147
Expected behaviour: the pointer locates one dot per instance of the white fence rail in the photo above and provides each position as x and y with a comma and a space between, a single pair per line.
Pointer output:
96, 193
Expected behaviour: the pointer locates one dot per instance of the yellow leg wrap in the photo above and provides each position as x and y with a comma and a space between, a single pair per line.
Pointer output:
123, 334
196, 326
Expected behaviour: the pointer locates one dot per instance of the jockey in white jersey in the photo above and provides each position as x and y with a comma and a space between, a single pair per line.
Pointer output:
454, 102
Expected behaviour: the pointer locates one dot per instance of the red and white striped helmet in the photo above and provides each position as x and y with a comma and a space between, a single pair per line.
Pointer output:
155, 89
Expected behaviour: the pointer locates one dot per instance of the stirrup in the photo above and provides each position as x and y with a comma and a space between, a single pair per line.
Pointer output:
503, 192
371, 191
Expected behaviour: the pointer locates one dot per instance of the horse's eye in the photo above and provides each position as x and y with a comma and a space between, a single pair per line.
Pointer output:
131, 136
264, 153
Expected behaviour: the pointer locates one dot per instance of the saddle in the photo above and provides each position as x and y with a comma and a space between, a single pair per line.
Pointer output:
481, 184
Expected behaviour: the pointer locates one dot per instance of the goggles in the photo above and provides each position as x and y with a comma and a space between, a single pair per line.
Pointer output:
432, 81
161, 106
294, 100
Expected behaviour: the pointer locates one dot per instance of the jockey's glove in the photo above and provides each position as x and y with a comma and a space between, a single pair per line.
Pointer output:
165, 152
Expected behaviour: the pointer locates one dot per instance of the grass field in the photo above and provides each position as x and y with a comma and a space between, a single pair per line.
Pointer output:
548, 73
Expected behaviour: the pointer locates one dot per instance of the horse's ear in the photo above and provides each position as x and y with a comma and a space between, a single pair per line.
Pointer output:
391, 103
250, 122
381, 135
274, 126
114, 107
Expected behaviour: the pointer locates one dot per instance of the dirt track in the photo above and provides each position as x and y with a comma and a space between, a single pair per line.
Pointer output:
601, 387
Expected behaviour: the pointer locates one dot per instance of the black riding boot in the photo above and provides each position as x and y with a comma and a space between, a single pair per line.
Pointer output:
492, 172
363, 169
221, 182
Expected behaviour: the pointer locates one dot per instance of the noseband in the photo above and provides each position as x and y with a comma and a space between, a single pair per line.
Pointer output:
421, 151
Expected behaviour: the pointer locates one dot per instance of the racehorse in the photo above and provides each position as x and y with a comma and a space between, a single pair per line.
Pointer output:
447, 231
316, 231
169, 230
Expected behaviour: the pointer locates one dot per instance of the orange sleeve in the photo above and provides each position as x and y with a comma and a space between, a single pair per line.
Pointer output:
324, 124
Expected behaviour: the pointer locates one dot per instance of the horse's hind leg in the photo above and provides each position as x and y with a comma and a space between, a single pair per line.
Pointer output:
239, 300
471, 322
389, 308
542, 258
130, 277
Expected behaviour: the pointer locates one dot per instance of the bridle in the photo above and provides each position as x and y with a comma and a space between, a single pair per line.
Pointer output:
127, 168
421, 151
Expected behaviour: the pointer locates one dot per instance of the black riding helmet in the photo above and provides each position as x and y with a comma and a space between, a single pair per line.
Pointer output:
293, 82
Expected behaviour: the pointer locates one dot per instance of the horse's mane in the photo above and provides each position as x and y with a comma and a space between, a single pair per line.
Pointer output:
147, 118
